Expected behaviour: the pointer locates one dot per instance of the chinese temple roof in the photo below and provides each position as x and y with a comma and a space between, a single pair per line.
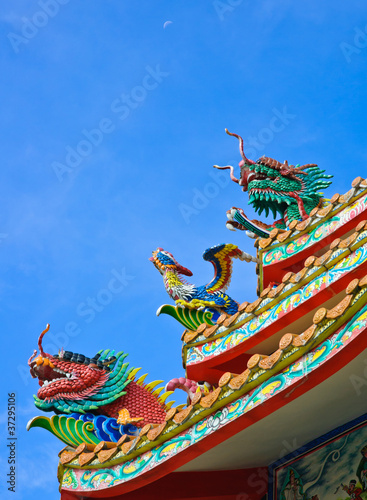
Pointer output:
252, 370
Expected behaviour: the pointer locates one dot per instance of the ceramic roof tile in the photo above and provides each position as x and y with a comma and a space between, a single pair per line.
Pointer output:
231, 319
211, 330
286, 341
340, 308
222, 318
239, 380
251, 307
225, 378
210, 399
106, 455
243, 306
254, 361
181, 416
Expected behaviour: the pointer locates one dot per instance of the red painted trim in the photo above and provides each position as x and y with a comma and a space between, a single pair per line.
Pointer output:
327, 369
215, 485
65, 495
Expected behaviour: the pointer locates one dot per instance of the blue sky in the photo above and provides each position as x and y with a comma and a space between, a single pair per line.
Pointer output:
146, 107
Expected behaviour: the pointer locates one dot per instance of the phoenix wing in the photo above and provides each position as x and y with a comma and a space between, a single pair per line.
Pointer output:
221, 257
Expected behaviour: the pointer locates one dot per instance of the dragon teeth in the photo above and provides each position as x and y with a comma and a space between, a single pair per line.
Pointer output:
47, 382
66, 374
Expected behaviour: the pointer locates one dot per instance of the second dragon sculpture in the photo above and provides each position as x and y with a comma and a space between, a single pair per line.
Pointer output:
287, 190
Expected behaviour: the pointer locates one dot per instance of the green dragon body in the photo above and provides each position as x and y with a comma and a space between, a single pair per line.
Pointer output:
288, 190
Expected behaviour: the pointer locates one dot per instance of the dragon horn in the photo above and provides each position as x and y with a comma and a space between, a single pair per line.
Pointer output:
300, 171
40, 340
245, 159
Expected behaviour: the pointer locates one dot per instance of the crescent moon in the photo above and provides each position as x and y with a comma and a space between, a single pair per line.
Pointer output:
166, 24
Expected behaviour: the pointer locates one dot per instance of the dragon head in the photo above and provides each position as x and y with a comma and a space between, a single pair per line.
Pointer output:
72, 382
165, 261
291, 191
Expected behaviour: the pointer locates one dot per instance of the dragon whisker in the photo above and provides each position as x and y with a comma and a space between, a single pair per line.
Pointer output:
233, 178
245, 159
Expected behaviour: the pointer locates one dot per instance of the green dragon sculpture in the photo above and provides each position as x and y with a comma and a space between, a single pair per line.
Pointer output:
287, 190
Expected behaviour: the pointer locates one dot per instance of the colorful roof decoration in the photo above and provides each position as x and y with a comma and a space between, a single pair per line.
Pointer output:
210, 297
292, 191
246, 364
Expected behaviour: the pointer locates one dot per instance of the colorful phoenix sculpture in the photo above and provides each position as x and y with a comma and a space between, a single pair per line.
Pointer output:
210, 297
